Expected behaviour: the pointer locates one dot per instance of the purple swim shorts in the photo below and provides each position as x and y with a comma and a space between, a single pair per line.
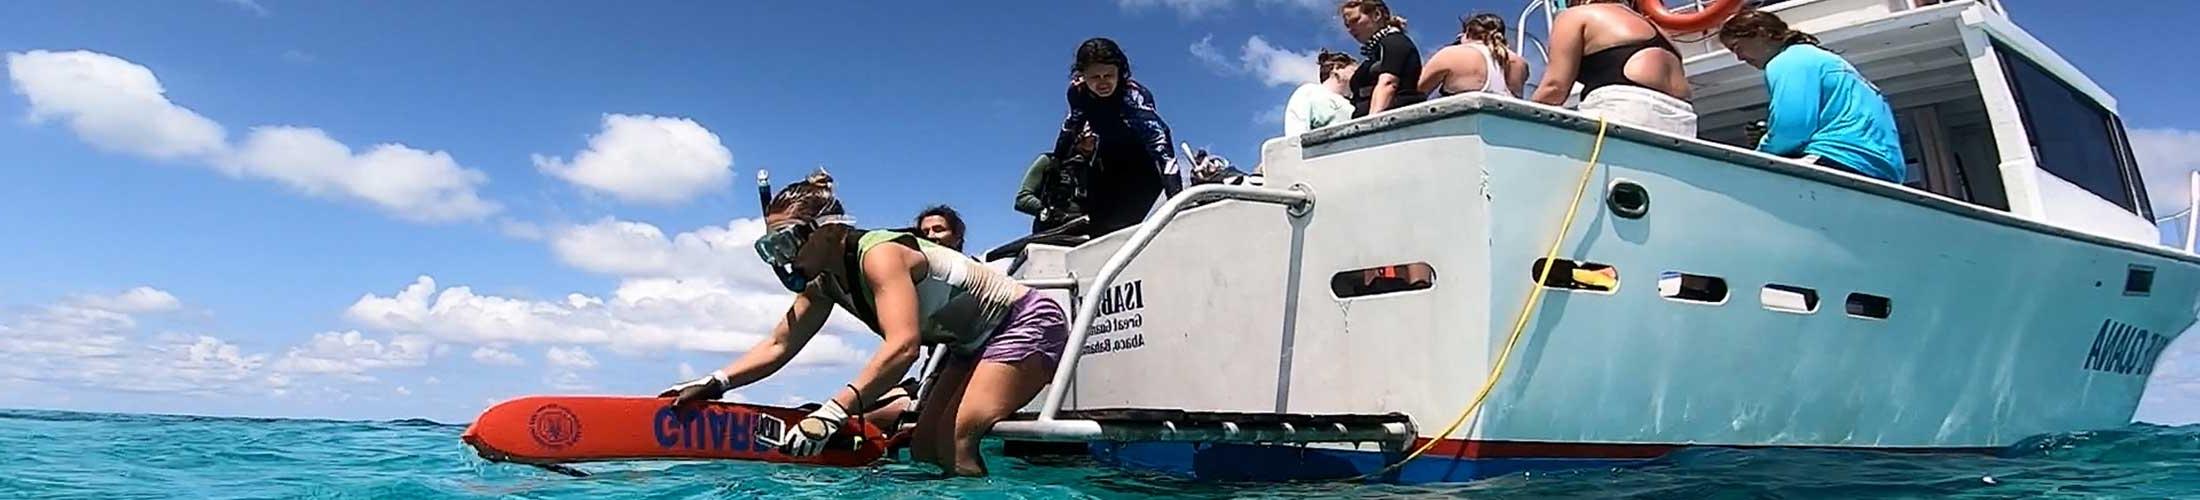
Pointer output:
1035, 325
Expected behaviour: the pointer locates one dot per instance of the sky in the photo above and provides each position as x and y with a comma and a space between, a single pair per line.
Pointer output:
416, 209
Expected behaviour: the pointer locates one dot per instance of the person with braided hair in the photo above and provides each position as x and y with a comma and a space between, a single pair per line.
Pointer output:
1481, 62
1001, 339
1822, 110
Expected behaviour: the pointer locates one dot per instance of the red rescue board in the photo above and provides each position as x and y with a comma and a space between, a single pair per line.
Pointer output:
567, 429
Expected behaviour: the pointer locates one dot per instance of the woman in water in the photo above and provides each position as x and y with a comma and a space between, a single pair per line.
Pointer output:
1822, 109
1389, 76
1480, 62
1136, 156
1002, 339
1628, 71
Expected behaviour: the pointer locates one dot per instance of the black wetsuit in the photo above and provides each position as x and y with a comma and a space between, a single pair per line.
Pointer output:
1388, 52
1136, 155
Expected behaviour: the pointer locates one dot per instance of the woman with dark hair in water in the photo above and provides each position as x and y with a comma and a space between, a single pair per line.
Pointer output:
1001, 338
1628, 71
1136, 156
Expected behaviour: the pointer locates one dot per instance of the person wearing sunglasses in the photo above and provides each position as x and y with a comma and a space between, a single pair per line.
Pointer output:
1002, 339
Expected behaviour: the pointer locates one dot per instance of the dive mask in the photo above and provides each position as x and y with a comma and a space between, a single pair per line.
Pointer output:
780, 247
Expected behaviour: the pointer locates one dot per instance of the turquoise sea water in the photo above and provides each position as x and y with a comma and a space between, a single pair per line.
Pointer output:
46, 454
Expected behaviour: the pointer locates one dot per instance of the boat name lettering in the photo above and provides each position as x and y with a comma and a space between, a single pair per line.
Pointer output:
2124, 349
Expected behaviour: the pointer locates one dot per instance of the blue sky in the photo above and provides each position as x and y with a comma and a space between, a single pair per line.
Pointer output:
561, 199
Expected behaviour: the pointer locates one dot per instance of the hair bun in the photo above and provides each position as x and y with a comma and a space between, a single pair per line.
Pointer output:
820, 178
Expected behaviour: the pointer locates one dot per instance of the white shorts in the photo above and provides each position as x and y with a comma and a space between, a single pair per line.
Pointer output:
1641, 107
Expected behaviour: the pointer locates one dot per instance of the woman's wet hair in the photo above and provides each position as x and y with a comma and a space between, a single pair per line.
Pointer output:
1329, 61
809, 198
1753, 23
1490, 30
1375, 8
1101, 50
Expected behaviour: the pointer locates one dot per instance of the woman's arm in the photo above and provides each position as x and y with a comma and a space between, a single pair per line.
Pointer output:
1565, 59
1516, 74
1436, 71
1027, 197
1065, 141
795, 329
890, 269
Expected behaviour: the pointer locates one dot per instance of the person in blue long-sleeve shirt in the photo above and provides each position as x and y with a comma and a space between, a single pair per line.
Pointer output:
1822, 109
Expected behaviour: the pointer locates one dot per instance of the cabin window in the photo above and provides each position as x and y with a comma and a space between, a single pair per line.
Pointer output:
1572, 275
1383, 280
2072, 136
1697, 288
1868, 306
1788, 298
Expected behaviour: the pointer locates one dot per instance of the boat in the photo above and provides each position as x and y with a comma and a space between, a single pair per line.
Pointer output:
1422, 296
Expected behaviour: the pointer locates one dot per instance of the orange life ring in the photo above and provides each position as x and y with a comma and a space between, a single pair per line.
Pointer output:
1707, 19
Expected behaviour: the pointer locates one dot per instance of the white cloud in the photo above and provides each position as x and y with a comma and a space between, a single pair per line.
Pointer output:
569, 357
1189, 9
422, 186
432, 381
523, 230
1273, 66
117, 105
642, 315
649, 159
687, 371
1204, 50
1277, 67
113, 104
568, 381
402, 391
488, 355
295, 56
2167, 157
134, 301
351, 354
95, 341
252, 6
640, 250
1327, 7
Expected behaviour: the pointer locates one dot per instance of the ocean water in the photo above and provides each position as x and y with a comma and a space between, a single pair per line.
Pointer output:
46, 454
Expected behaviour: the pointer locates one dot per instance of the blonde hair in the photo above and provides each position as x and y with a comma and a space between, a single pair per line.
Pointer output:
1375, 8
1490, 30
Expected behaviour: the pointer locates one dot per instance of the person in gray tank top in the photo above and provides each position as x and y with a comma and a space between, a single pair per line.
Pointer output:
1001, 339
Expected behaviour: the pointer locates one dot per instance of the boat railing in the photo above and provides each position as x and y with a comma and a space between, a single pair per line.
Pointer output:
1298, 200
2192, 206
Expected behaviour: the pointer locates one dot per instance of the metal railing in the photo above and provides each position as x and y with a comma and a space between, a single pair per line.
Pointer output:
2192, 205
1297, 198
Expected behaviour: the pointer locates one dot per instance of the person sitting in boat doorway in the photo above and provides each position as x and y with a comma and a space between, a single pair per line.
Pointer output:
1481, 61
1822, 110
1317, 105
1000, 340
1136, 155
1386, 80
1053, 192
1629, 73
942, 225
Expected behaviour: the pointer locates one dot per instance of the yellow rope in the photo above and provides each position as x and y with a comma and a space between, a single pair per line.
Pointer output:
1527, 309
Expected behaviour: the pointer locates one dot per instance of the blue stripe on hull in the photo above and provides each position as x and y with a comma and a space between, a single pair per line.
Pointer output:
1242, 462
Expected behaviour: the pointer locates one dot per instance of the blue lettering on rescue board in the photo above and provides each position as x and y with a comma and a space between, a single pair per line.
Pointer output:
708, 428
2124, 349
